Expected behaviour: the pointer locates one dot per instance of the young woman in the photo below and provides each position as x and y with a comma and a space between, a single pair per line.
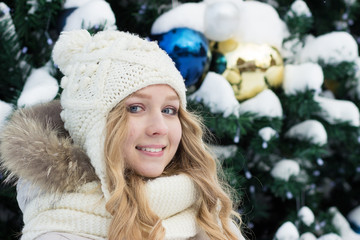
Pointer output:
126, 160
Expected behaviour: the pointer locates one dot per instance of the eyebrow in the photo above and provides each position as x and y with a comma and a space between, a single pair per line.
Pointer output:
149, 96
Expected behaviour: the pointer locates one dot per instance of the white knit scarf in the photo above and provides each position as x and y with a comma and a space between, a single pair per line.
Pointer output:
83, 213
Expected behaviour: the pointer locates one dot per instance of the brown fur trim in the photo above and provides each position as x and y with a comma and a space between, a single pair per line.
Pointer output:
36, 147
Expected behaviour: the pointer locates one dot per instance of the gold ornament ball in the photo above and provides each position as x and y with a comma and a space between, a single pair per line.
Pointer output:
251, 67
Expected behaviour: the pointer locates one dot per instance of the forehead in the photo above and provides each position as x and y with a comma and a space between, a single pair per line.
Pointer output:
156, 91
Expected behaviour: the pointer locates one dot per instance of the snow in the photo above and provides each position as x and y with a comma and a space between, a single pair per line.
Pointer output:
257, 22
307, 236
342, 226
34, 6
335, 111
75, 3
260, 23
5, 111
39, 87
174, 18
327, 94
357, 75
306, 216
265, 104
267, 133
354, 216
287, 231
302, 77
349, 2
224, 152
290, 50
285, 168
220, 20
299, 8
273, 3
4, 9
217, 1
311, 130
332, 48
217, 93
92, 13
330, 236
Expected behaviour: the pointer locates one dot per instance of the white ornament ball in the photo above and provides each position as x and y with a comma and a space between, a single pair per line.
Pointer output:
220, 20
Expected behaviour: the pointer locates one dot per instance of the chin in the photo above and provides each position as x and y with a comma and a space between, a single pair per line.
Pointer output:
150, 174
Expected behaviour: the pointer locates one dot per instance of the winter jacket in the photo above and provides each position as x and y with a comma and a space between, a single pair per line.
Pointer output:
59, 191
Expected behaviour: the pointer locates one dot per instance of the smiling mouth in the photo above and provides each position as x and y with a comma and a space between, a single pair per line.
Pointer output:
150, 149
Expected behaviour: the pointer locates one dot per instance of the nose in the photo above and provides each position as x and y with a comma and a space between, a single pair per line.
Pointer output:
156, 125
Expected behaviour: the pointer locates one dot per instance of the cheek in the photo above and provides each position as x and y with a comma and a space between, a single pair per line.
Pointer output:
131, 134
132, 130
130, 138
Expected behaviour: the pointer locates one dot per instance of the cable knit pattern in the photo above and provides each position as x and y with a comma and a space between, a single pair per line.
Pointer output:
100, 71
178, 223
163, 206
83, 213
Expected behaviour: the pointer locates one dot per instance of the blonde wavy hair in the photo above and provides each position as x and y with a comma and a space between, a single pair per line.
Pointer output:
132, 216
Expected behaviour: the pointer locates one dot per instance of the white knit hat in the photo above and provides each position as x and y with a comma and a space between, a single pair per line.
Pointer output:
100, 71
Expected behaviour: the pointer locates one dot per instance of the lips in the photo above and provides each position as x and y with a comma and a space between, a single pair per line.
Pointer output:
151, 149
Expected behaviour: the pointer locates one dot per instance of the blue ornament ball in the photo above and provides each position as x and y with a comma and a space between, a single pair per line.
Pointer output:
218, 62
189, 49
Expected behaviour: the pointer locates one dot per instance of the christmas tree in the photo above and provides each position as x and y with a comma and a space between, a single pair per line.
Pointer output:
277, 82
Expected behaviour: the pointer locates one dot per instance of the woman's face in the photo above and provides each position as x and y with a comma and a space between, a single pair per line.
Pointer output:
154, 129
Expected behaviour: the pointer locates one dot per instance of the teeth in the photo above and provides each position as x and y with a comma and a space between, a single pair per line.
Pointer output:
151, 149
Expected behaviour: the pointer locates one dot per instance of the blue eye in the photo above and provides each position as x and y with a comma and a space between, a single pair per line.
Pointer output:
134, 109
170, 111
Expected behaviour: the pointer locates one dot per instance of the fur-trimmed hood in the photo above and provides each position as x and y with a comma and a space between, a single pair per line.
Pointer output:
34, 146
